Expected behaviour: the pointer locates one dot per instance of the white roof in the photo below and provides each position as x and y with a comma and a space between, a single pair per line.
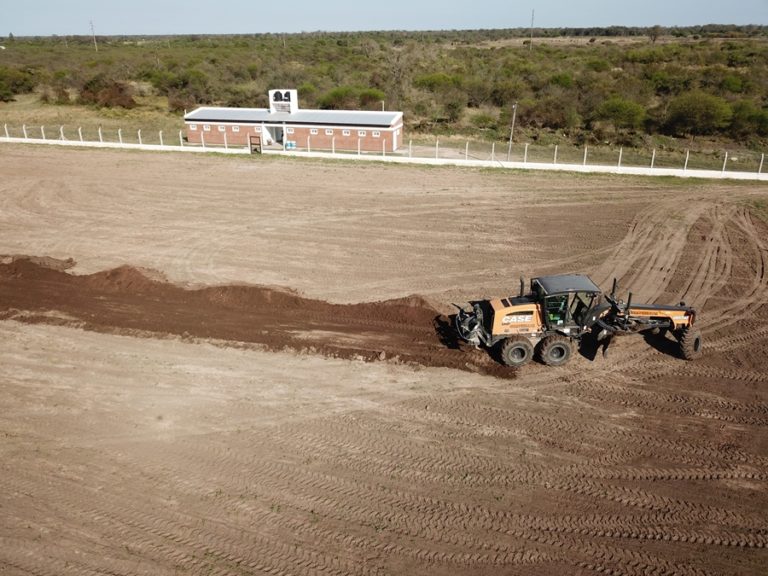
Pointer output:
258, 115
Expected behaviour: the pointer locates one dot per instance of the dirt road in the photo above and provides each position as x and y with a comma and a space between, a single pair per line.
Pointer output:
239, 372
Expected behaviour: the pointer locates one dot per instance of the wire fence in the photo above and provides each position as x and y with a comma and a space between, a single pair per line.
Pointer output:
526, 153
504, 154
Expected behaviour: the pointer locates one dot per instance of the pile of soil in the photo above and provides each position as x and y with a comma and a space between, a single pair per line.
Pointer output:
126, 300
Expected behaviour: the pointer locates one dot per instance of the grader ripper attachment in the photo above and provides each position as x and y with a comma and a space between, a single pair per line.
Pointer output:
561, 310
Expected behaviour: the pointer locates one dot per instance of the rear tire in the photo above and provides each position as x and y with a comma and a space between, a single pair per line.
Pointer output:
516, 351
555, 350
690, 343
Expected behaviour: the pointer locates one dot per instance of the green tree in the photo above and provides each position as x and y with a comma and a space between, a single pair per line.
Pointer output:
436, 82
371, 97
14, 81
748, 120
623, 114
340, 98
698, 113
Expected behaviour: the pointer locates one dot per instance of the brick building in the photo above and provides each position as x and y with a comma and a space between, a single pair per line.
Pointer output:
285, 124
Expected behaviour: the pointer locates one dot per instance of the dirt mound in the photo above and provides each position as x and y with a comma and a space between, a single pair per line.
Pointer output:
121, 279
126, 300
45, 261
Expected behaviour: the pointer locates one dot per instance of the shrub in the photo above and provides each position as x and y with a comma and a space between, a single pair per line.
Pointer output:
622, 113
698, 113
436, 82
15, 81
748, 120
562, 79
343, 97
483, 121
101, 91
371, 97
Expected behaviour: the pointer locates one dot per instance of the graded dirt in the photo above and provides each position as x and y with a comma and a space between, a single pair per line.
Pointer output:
230, 366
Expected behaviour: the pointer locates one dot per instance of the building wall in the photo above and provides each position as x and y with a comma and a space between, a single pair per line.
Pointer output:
340, 137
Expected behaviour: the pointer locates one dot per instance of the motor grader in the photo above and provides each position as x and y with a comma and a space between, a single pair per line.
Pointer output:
561, 310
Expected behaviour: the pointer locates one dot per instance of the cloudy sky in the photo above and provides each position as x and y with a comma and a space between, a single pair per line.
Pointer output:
47, 17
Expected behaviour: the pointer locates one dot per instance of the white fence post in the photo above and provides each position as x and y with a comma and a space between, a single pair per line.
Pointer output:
120, 135
139, 134
161, 137
687, 155
466, 152
6, 130
493, 151
226, 144
621, 152
525, 155
384, 147
725, 160
24, 129
437, 148
554, 160
333, 145
358, 146
309, 149
653, 158
61, 133
202, 139
584, 163
101, 138
80, 132
42, 131
181, 139
410, 148
759, 170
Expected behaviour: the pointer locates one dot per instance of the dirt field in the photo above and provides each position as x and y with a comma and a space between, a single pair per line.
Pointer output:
238, 366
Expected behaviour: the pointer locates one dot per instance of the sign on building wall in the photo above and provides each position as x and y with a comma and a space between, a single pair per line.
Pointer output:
283, 101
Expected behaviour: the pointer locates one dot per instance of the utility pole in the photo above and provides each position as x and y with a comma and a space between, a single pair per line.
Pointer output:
530, 44
93, 34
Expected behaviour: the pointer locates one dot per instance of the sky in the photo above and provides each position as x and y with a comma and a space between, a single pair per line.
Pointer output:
146, 17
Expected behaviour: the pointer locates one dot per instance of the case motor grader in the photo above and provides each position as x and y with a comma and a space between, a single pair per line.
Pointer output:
561, 310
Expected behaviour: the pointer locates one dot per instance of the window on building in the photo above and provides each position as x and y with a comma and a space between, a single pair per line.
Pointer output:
222, 128
361, 133
376, 133
289, 130
313, 131
345, 132
329, 131
207, 127
193, 126
235, 128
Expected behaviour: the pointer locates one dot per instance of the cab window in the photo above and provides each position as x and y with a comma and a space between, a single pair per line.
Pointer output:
556, 308
580, 305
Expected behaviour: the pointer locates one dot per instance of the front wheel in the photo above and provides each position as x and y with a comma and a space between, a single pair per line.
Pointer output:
555, 350
516, 351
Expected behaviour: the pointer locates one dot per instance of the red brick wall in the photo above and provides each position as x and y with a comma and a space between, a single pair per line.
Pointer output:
319, 141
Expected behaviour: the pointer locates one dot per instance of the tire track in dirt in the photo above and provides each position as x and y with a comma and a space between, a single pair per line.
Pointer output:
754, 296
351, 502
713, 268
175, 536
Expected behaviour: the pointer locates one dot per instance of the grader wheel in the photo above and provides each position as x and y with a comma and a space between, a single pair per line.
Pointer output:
516, 351
555, 350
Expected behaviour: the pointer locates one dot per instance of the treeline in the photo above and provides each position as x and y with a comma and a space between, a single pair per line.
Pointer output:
619, 84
